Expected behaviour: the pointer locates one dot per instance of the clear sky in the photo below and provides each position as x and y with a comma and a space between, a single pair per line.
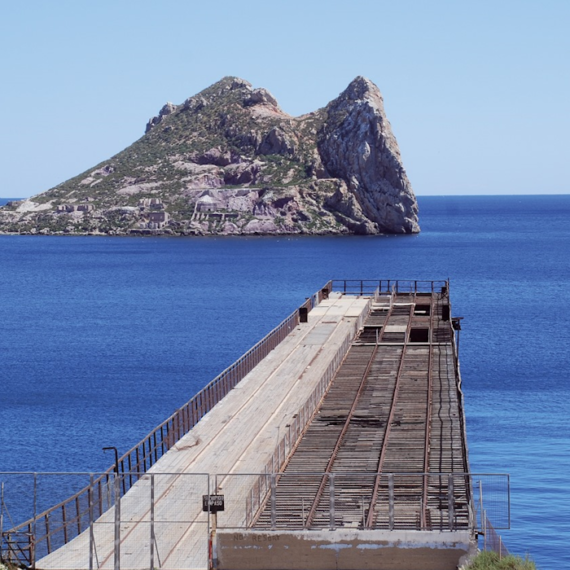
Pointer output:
477, 91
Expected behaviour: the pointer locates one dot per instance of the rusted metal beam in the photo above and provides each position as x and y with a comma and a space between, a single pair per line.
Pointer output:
370, 518
339, 441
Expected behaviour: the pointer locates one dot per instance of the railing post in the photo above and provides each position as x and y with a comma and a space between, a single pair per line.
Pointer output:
130, 462
391, 501
331, 512
509, 498
48, 533
155, 449
481, 503
123, 478
152, 538
64, 523
273, 503
450, 502
91, 534
1, 517
78, 515
35, 532
32, 548
117, 544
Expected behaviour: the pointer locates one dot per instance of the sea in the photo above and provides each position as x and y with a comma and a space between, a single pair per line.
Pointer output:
102, 338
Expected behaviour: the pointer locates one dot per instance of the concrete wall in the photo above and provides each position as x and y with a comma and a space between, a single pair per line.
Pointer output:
340, 550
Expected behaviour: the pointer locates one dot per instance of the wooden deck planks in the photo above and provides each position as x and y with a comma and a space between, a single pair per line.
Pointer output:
238, 435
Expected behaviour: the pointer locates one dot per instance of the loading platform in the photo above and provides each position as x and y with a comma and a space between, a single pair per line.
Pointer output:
337, 441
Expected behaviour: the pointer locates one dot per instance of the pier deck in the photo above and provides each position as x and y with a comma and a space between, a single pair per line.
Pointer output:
238, 435
338, 442
392, 408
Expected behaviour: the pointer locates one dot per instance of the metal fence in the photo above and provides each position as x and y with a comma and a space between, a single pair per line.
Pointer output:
486, 496
276, 501
490, 539
401, 286
489, 493
146, 528
142, 529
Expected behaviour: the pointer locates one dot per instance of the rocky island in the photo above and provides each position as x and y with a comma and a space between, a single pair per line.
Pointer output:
229, 161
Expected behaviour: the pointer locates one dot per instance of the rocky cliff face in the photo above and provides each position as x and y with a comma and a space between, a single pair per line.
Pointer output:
230, 161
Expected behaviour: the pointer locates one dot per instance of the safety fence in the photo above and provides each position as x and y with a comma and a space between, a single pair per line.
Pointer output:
369, 286
277, 501
489, 538
69, 514
489, 492
164, 522
142, 529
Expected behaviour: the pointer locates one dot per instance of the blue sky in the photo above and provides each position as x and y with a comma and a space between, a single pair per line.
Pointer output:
477, 92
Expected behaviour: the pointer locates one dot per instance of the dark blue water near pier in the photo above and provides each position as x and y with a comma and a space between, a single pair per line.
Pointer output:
103, 338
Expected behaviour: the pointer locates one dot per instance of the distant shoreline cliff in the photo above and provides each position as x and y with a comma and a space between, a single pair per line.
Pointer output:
229, 161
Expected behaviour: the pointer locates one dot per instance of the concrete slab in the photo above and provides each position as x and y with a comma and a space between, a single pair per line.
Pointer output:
341, 549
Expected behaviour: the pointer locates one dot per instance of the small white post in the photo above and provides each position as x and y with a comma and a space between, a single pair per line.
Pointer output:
117, 560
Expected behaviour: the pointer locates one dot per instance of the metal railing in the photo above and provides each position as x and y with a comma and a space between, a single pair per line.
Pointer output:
70, 513
149, 525
294, 433
399, 286
491, 539
142, 523
347, 497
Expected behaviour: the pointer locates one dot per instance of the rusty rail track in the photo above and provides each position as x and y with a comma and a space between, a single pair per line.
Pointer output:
370, 518
339, 441
394, 407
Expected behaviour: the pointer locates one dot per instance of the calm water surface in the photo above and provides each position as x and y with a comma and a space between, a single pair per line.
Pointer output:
102, 338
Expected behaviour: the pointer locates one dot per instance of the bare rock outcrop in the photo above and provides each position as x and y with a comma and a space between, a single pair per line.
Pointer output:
168, 109
357, 145
230, 161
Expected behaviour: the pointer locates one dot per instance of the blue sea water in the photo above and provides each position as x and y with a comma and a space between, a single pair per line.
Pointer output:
102, 338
